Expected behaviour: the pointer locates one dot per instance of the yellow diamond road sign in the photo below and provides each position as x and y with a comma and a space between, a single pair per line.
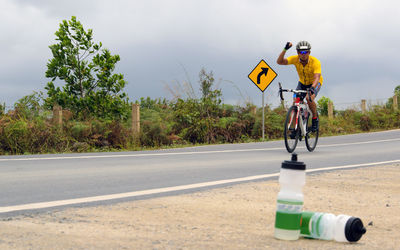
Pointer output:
262, 75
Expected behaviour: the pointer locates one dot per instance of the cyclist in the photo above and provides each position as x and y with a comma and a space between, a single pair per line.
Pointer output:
309, 71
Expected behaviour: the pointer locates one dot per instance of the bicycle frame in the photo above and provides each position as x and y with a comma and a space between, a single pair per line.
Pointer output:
301, 106
297, 122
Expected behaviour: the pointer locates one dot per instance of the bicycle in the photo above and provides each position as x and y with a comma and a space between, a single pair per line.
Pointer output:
298, 123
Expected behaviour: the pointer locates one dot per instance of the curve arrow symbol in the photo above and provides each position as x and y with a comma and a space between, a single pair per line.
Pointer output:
264, 71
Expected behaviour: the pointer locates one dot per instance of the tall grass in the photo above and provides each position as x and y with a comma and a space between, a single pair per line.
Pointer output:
29, 129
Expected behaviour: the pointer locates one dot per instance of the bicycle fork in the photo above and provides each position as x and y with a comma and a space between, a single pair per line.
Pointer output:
299, 121
302, 126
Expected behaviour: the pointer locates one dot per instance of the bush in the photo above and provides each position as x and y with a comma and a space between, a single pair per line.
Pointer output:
16, 136
119, 136
37, 136
322, 106
155, 130
230, 129
80, 131
29, 129
365, 123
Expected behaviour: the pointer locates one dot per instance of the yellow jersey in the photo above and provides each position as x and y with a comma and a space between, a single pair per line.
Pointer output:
306, 73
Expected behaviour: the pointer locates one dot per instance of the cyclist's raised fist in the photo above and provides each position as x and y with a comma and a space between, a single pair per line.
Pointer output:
288, 45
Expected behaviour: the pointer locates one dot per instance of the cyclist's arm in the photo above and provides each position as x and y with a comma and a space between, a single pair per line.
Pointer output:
317, 76
281, 59
317, 73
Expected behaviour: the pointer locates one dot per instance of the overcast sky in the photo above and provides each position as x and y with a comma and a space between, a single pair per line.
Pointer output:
163, 43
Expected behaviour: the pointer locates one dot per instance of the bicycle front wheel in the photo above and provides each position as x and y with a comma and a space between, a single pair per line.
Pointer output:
311, 136
291, 131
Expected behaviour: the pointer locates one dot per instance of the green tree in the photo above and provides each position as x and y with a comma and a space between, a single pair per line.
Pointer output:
322, 107
2, 109
197, 120
389, 103
206, 82
29, 106
397, 90
91, 88
211, 98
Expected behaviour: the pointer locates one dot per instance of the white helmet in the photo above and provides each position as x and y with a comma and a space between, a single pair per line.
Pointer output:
303, 45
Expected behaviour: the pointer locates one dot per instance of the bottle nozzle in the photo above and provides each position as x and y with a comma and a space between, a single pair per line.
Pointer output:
354, 229
294, 164
362, 230
294, 157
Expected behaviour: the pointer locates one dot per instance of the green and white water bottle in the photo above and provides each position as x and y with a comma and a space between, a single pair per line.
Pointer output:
290, 199
326, 226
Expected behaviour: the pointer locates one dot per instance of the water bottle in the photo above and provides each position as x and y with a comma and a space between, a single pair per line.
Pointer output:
290, 199
326, 226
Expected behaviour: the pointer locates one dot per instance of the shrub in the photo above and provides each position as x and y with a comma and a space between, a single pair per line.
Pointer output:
118, 136
80, 131
155, 130
322, 105
16, 136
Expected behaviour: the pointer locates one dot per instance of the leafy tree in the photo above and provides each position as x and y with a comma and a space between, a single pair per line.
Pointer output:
397, 93
211, 99
323, 103
206, 82
2, 109
196, 120
397, 90
389, 103
29, 106
91, 88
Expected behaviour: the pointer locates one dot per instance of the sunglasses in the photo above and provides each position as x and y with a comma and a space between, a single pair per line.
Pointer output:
303, 52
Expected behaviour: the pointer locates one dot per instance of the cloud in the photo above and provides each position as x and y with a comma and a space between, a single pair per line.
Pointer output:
356, 41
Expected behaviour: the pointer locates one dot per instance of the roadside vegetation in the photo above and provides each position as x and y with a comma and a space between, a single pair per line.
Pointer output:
96, 113
29, 127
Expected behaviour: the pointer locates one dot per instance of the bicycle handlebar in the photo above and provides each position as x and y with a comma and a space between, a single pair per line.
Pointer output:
280, 91
296, 91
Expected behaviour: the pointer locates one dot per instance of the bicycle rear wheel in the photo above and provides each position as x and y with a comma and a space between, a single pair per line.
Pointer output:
291, 131
311, 136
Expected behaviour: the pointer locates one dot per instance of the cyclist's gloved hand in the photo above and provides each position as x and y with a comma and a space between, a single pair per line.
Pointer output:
312, 90
288, 45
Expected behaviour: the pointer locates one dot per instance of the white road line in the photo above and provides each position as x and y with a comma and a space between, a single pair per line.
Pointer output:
357, 143
50, 204
180, 153
129, 194
137, 155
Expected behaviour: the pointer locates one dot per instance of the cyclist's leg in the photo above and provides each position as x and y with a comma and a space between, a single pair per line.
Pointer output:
300, 86
313, 107
312, 104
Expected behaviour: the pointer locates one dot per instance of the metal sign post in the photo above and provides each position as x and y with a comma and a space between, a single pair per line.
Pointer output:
262, 75
263, 117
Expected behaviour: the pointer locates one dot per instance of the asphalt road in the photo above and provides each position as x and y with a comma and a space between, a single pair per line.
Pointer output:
73, 179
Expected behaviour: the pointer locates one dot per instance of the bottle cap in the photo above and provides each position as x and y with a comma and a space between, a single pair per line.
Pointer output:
354, 229
294, 164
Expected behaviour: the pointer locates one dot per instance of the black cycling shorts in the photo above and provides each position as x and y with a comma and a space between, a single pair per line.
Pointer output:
301, 86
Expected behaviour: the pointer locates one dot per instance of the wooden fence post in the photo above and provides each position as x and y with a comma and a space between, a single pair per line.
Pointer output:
57, 115
253, 110
363, 106
282, 103
395, 104
135, 119
330, 110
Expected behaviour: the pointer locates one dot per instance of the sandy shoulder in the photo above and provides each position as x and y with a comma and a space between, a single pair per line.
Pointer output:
237, 217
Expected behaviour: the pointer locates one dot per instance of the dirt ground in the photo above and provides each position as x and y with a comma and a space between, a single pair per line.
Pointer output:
236, 217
